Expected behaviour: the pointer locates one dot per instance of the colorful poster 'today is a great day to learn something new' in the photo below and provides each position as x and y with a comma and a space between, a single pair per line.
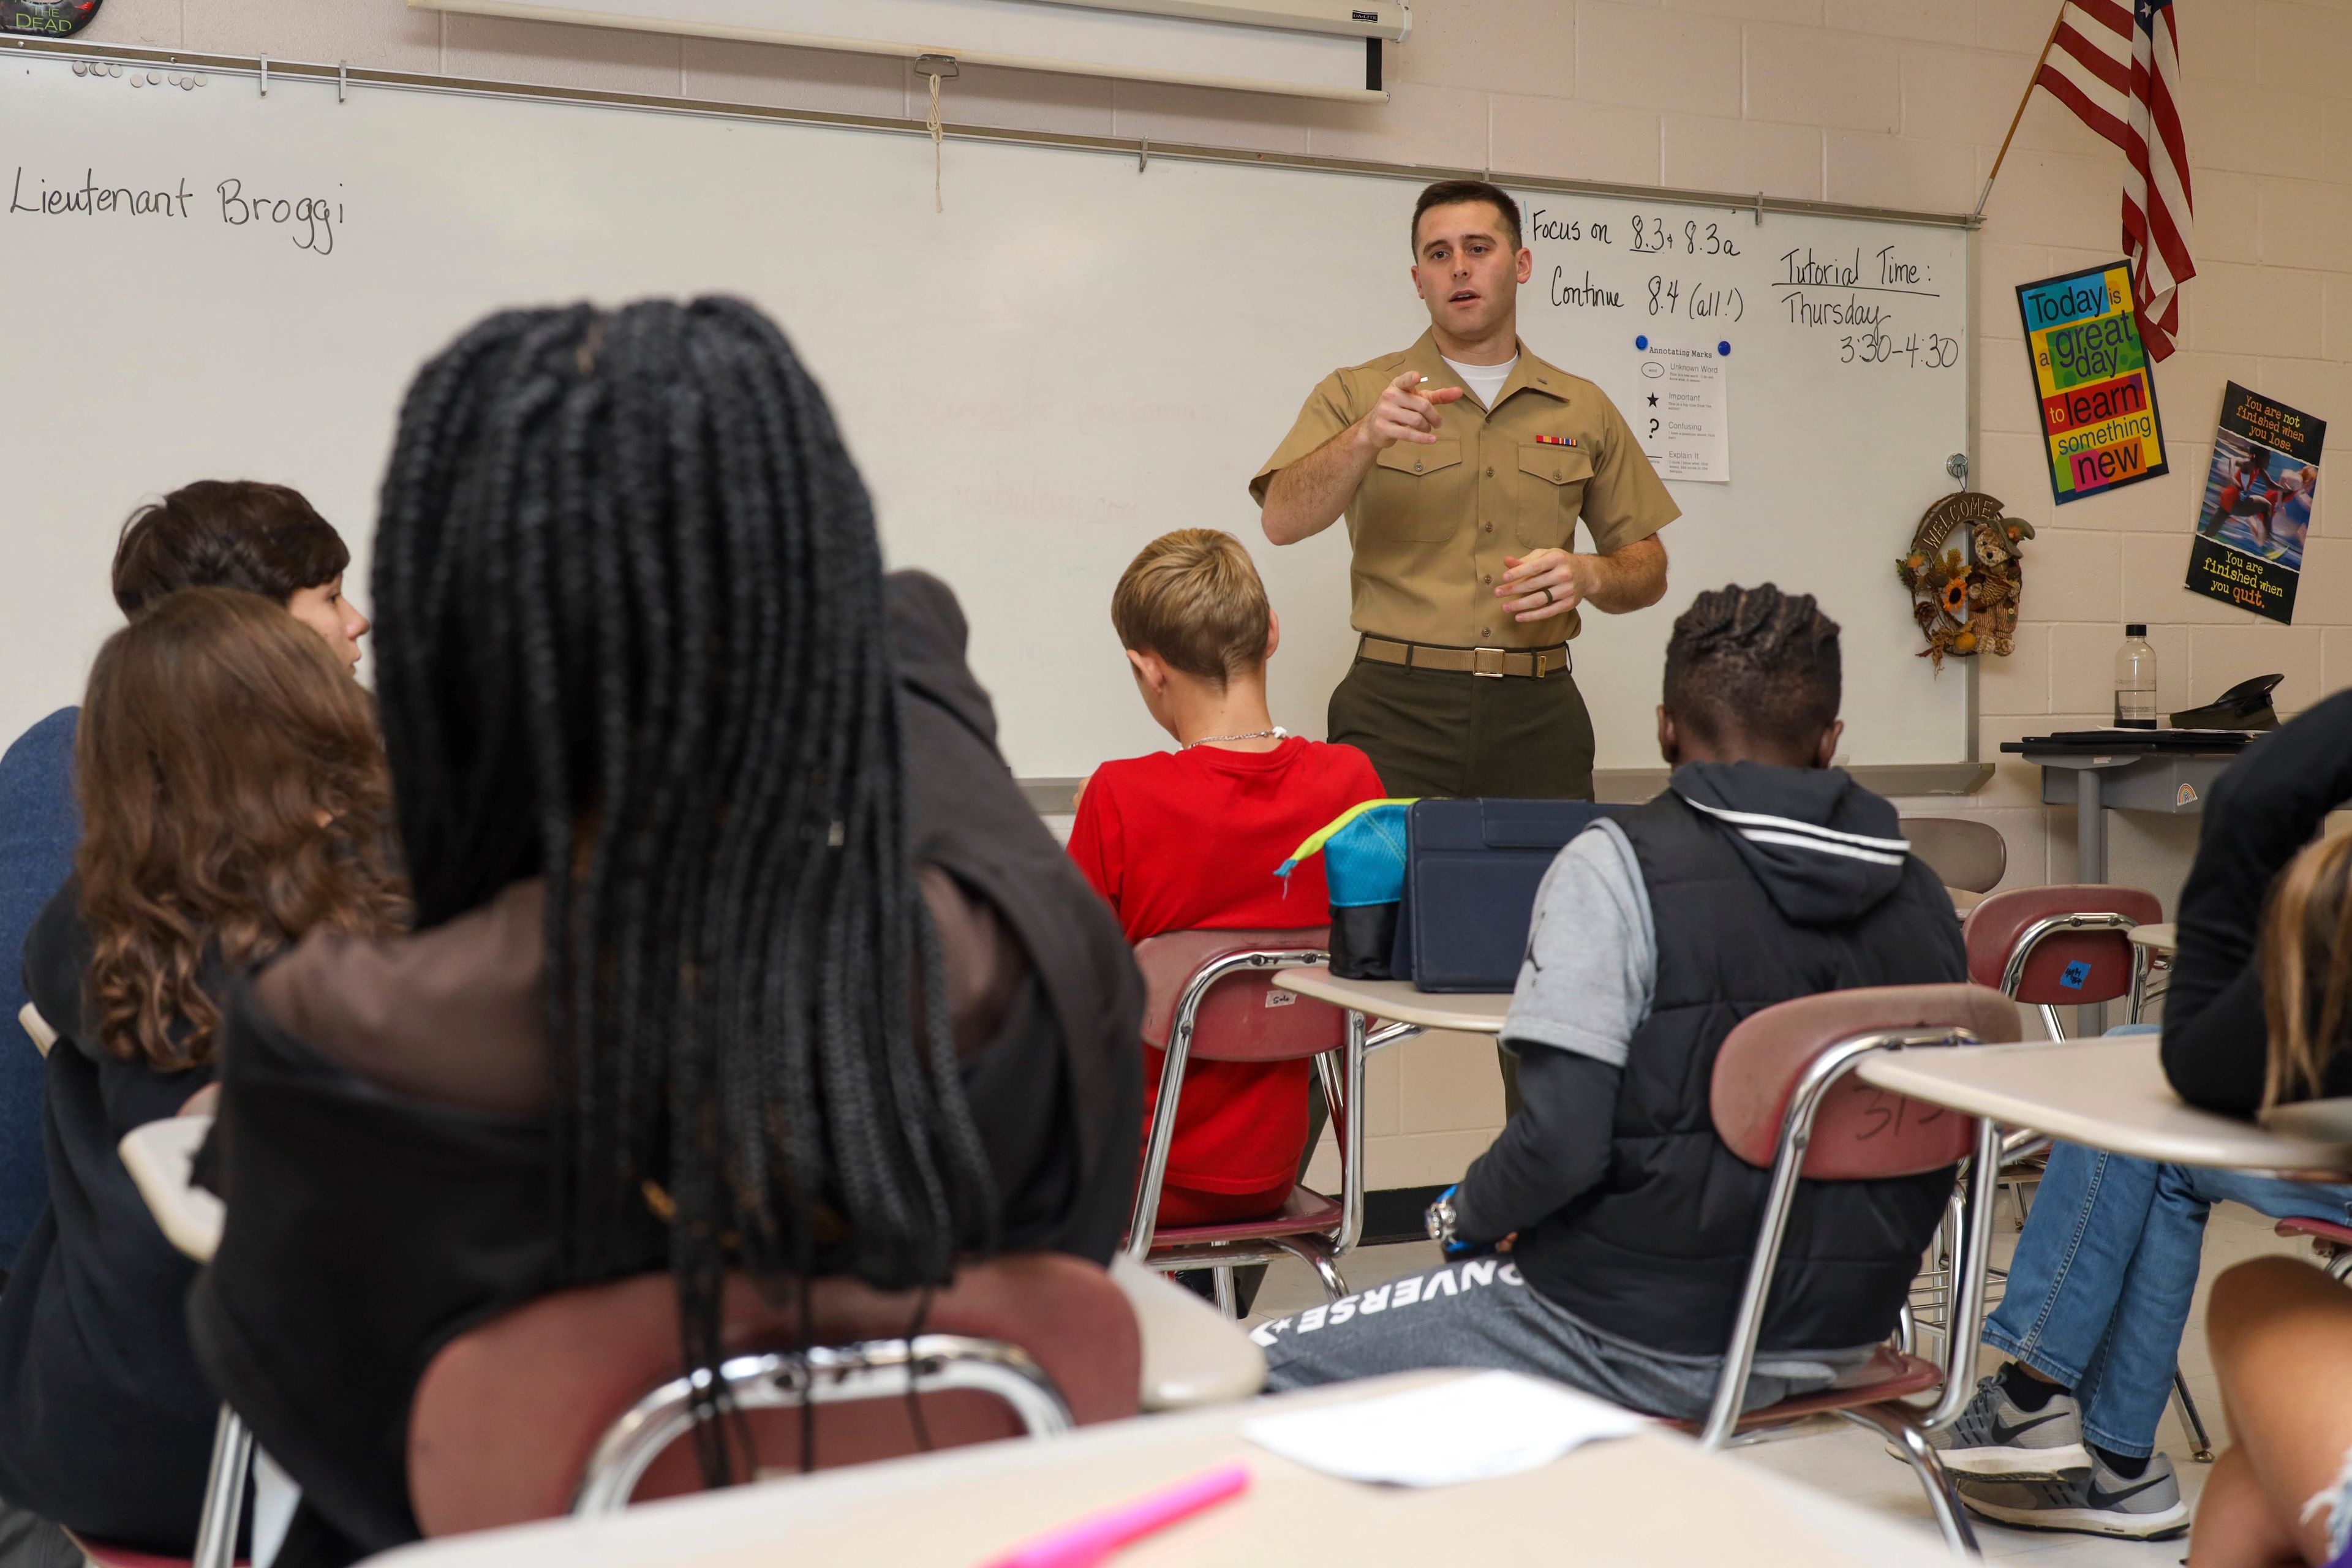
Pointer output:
2099, 399
2257, 508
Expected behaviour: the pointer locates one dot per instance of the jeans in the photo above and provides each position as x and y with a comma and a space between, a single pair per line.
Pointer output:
2099, 1290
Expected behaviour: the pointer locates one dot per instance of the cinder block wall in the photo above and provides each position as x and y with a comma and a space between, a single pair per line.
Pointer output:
1899, 102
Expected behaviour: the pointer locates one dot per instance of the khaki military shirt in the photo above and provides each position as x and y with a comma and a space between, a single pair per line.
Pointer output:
1431, 524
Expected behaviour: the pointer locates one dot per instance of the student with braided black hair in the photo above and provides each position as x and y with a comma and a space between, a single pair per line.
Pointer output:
1763, 873
737, 948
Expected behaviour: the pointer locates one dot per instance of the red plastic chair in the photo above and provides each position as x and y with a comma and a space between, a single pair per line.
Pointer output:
573, 1403
1211, 994
2049, 947
1783, 1097
2053, 947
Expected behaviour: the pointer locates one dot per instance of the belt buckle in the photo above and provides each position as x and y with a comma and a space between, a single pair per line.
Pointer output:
1487, 662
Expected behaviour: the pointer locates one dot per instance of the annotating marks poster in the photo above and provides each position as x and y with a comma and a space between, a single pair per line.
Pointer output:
1680, 412
2090, 369
2257, 506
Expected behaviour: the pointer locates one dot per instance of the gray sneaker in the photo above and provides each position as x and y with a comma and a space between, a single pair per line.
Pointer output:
1994, 1436
2097, 1502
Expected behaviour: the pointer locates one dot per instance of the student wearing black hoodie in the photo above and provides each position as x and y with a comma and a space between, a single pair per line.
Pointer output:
1760, 875
690, 795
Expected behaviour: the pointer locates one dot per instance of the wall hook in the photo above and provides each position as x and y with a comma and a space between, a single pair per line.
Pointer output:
343, 79
1956, 465
1142, 155
1759, 209
265, 76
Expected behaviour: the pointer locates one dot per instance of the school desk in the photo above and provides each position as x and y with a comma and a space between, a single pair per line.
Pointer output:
1406, 1011
161, 1156
2107, 1093
2097, 777
1655, 1498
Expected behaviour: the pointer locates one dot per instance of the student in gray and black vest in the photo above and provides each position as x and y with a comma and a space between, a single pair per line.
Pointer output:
1760, 875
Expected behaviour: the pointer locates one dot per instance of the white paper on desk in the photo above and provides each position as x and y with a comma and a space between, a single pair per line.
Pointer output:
1472, 1430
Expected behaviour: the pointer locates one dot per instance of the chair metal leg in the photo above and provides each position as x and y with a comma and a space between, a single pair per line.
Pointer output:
2201, 1445
223, 1493
1327, 1070
1907, 1331
1307, 1250
2339, 1264
1943, 1502
1227, 1301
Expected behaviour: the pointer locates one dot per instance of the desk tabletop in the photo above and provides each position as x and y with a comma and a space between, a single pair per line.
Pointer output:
1480, 1013
2107, 1093
2165, 937
161, 1157
1622, 1501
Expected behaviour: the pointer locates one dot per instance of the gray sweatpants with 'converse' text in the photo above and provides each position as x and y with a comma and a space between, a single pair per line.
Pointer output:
1481, 1314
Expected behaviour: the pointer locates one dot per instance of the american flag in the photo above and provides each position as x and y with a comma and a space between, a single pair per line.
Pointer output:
2117, 65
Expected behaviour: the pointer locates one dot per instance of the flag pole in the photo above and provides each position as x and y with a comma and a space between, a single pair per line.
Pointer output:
2032, 80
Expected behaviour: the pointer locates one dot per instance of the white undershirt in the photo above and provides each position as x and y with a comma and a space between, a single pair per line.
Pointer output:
1485, 380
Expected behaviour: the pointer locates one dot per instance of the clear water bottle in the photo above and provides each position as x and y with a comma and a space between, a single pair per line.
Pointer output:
2135, 681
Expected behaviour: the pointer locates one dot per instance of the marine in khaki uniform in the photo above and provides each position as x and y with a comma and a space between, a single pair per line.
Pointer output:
1461, 466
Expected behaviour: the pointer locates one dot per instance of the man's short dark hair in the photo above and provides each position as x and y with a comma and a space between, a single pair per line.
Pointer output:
1754, 664
1446, 193
225, 534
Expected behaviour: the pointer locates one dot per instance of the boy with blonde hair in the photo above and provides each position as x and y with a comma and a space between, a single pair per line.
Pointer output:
1189, 839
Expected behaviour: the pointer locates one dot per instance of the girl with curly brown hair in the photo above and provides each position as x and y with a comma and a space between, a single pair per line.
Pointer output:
233, 797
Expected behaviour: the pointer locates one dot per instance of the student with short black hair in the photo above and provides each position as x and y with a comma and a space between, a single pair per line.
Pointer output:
241, 533
215, 534
1763, 873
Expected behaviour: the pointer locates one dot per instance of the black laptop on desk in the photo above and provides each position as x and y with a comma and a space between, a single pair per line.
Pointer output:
2203, 741
2223, 725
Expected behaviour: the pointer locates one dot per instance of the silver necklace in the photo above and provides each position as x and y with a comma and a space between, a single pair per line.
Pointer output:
1276, 733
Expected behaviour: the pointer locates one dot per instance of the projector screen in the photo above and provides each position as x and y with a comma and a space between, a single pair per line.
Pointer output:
1309, 59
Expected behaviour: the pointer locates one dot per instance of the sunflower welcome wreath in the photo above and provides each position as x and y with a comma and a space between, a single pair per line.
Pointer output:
1966, 600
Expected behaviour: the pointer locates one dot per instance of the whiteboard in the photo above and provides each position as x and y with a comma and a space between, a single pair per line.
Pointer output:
1073, 357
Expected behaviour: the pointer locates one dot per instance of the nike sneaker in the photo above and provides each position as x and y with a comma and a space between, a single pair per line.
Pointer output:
2099, 1501
1997, 1436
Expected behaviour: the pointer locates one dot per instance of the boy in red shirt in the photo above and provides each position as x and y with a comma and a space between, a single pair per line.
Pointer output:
1189, 839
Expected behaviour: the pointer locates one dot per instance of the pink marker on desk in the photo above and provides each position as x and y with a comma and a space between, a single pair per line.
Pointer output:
1094, 1538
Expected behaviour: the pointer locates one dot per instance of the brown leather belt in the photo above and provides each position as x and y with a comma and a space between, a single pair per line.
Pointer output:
1534, 663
